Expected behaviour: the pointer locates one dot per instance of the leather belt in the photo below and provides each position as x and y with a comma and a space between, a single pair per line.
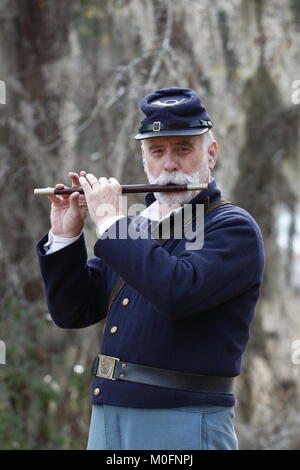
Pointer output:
113, 368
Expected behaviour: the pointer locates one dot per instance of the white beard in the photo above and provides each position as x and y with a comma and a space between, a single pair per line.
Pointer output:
178, 177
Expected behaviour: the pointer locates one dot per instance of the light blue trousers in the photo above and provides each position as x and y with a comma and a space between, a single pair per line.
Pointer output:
202, 427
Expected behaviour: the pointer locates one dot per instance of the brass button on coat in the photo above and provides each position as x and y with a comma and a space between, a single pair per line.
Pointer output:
114, 329
97, 391
125, 301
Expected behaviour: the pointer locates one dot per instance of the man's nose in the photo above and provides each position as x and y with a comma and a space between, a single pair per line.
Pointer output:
170, 162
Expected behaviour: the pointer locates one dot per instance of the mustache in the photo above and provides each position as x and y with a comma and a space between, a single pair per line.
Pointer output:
175, 177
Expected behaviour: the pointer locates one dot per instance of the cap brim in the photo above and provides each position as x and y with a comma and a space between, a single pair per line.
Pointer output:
173, 132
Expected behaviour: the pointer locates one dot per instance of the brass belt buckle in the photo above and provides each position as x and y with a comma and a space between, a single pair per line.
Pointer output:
106, 367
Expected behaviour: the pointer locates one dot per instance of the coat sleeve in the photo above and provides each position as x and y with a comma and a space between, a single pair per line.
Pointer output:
75, 289
229, 263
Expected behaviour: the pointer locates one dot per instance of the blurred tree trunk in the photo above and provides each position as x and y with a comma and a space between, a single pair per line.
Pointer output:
35, 65
261, 164
35, 49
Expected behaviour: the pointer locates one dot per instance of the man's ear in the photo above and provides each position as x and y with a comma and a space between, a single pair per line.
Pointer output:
143, 155
213, 149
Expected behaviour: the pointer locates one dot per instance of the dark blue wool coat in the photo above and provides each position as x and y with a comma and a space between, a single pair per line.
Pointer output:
188, 310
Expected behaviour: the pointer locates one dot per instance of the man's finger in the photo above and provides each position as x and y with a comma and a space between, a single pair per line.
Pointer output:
103, 179
92, 180
55, 199
75, 178
114, 181
85, 185
62, 186
74, 200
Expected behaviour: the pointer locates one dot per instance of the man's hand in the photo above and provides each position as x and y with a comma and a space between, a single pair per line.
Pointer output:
103, 196
68, 212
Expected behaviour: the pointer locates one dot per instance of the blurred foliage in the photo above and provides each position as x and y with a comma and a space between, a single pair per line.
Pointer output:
39, 392
86, 20
295, 6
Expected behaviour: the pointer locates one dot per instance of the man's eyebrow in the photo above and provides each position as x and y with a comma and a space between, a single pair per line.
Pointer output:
154, 146
185, 142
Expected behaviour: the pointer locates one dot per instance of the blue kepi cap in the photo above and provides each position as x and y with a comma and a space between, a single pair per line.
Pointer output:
173, 111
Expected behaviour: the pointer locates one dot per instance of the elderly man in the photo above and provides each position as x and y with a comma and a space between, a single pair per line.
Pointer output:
177, 318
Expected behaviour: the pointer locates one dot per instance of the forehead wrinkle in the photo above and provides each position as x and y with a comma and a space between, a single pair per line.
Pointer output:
180, 142
184, 142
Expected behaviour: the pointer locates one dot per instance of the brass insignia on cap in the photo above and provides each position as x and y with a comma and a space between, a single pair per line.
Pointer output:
168, 102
